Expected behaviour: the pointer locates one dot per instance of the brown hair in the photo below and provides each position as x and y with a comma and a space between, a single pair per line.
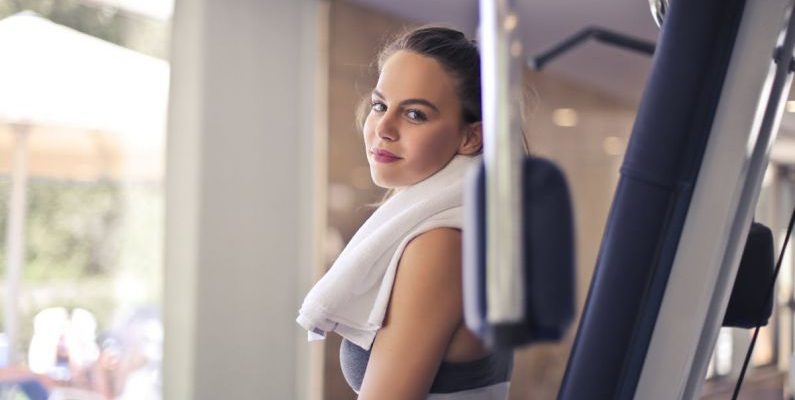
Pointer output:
450, 48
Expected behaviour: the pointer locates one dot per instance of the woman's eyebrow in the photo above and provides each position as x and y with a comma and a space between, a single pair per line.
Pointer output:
410, 101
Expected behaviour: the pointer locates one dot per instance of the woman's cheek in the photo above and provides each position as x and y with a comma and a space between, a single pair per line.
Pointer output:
442, 142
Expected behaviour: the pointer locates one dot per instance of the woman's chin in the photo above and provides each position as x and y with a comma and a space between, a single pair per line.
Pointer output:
384, 182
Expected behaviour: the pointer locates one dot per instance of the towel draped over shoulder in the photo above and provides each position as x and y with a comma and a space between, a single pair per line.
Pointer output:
352, 297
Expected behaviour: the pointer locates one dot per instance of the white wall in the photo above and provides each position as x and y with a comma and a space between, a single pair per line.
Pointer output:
240, 183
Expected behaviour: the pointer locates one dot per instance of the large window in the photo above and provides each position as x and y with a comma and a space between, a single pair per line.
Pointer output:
82, 135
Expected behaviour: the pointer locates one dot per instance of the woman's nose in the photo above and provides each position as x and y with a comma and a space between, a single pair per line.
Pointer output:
386, 129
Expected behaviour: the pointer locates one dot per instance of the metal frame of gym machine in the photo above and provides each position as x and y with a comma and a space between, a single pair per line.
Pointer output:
654, 340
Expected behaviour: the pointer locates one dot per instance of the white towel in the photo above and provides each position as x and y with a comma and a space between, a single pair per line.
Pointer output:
352, 297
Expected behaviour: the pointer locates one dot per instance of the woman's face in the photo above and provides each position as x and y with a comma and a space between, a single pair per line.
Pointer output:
414, 127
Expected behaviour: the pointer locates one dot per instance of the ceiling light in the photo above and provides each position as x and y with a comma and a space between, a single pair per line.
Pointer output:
510, 22
613, 145
516, 48
566, 117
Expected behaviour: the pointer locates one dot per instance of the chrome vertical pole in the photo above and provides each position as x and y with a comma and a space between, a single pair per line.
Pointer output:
503, 153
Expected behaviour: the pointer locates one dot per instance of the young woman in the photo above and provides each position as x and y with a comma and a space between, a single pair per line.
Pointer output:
422, 134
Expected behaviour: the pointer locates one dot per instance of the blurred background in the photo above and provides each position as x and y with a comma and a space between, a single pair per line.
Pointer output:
82, 136
197, 165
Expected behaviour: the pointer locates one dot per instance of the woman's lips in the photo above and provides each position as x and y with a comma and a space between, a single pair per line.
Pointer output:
384, 156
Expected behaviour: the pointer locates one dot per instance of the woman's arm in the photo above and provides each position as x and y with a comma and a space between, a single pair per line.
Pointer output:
424, 311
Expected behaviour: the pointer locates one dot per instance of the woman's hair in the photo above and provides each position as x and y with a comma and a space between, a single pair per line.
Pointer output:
458, 55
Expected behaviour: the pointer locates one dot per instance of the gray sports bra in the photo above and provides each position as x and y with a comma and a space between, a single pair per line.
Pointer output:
451, 377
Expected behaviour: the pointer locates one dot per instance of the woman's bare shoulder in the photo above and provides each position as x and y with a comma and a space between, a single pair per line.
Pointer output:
430, 266
442, 245
431, 262
423, 313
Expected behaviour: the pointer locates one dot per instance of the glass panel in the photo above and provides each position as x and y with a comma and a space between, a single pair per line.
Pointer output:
82, 136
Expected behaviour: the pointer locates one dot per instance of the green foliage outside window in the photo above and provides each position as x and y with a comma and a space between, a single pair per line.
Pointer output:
71, 230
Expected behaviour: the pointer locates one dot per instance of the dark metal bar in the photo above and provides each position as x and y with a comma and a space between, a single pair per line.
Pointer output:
600, 34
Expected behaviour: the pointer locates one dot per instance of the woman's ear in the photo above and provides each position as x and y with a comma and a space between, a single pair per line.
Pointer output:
472, 142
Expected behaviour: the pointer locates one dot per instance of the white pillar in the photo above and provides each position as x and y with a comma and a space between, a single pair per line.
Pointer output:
15, 239
241, 199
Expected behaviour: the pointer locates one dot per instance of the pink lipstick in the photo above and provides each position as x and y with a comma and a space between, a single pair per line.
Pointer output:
384, 156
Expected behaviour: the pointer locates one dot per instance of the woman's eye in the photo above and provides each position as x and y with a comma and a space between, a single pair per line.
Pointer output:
377, 106
416, 115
